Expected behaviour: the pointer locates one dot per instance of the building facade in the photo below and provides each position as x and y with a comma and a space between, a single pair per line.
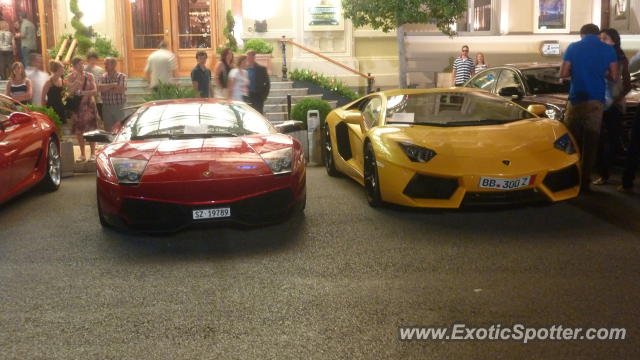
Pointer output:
504, 30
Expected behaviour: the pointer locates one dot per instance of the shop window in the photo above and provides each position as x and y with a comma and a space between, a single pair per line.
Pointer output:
148, 26
195, 24
477, 18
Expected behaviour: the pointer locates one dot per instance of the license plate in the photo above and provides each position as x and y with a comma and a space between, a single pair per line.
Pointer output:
506, 184
211, 213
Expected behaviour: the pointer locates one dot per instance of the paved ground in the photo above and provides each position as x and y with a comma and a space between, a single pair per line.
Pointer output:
334, 284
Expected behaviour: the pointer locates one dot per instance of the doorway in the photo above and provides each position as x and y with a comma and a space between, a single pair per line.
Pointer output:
186, 26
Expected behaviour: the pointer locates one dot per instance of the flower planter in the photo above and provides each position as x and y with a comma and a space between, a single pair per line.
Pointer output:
326, 94
265, 60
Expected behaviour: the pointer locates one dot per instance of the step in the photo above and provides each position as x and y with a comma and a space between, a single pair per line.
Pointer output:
294, 99
275, 116
274, 108
291, 91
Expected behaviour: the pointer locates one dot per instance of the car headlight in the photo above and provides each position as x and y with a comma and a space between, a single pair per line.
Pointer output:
564, 143
551, 114
128, 171
417, 153
279, 160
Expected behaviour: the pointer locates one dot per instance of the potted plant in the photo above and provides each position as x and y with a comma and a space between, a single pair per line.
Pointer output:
264, 52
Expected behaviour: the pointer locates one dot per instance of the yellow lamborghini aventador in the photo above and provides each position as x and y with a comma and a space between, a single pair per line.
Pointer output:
450, 147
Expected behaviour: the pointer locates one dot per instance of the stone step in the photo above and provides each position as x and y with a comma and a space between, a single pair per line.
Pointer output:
276, 116
285, 91
272, 100
274, 108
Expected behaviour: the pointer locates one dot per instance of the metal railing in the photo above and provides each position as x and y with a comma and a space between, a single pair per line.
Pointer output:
70, 50
283, 47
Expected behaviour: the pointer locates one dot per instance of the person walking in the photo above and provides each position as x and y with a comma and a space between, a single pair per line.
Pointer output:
53, 90
161, 66
259, 82
615, 108
19, 85
7, 45
27, 37
462, 67
479, 64
113, 87
221, 73
588, 62
201, 76
239, 81
97, 71
83, 111
37, 76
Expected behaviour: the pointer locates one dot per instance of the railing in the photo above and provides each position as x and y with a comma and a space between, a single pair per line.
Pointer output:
70, 50
283, 47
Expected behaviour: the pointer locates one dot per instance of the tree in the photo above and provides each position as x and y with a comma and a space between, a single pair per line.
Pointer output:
387, 15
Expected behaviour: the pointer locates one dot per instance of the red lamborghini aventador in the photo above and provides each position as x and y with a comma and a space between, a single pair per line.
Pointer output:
178, 162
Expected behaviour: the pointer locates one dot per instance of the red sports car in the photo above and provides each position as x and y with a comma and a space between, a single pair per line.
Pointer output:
29, 150
178, 162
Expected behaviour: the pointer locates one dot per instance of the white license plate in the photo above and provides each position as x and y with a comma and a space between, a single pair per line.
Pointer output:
506, 184
211, 213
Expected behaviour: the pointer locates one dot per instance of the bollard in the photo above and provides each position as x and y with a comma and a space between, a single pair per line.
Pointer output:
313, 132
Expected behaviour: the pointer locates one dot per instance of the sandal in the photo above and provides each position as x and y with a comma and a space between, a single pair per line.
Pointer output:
81, 159
625, 190
600, 181
92, 157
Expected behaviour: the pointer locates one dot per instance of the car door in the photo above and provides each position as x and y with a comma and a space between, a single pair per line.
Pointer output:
20, 147
485, 80
371, 111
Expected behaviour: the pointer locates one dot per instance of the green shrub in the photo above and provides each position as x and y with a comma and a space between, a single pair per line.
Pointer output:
299, 110
171, 91
49, 112
259, 46
330, 84
104, 47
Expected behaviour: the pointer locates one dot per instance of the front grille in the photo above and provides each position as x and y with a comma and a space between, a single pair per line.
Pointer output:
502, 197
161, 216
431, 187
562, 179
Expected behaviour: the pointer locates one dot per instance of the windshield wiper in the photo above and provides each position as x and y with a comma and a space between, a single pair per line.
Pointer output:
200, 136
478, 122
150, 136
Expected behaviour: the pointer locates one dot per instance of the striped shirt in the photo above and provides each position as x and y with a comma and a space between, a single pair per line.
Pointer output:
464, 70
112, 98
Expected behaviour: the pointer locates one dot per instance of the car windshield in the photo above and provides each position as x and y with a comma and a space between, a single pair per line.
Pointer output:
545, 81
453, 109
195, 120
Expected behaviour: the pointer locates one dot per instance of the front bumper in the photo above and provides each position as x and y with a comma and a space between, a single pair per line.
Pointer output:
409, 186
129, 207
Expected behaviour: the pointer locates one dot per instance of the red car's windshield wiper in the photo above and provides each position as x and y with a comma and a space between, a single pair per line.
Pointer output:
182, 136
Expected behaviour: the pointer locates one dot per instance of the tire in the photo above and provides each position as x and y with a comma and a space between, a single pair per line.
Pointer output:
327, 153
103, 221
371, 179
53, 172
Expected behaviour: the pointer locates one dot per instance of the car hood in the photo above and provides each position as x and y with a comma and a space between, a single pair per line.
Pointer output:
201, 159
521, 137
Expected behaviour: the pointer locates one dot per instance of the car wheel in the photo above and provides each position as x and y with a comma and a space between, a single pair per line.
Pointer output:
327, 146
371, 180
101, 217
53, 173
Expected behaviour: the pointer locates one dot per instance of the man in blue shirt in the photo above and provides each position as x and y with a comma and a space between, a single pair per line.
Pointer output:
588, 62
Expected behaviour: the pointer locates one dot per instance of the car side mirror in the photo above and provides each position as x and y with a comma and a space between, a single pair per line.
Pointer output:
353, 117
537, 109
511, 91
98, 136
18, 118
289, 126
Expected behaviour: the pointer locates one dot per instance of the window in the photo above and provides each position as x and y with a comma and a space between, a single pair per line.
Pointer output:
509, 79
194, 18
371, 112
485, 80
477, 18
551, 16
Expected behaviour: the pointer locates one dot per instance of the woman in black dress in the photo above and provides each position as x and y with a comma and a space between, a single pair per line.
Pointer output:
52, 90
19, 86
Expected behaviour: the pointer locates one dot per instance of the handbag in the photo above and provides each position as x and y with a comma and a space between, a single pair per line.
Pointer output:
73, 101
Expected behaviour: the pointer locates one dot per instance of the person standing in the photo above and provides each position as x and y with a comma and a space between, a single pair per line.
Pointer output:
480, 64
239, 81
19, 85
588, 62
53, 89
37, 76
259, 82
84, 114
613, 114
201, 76
221, 73
97, 71
161, 66
6, 49
27, 37
633, 157
462, 67
113, 87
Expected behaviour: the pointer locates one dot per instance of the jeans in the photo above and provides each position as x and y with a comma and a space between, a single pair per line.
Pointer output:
25, 52
609, 140
633, 154
584, 121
